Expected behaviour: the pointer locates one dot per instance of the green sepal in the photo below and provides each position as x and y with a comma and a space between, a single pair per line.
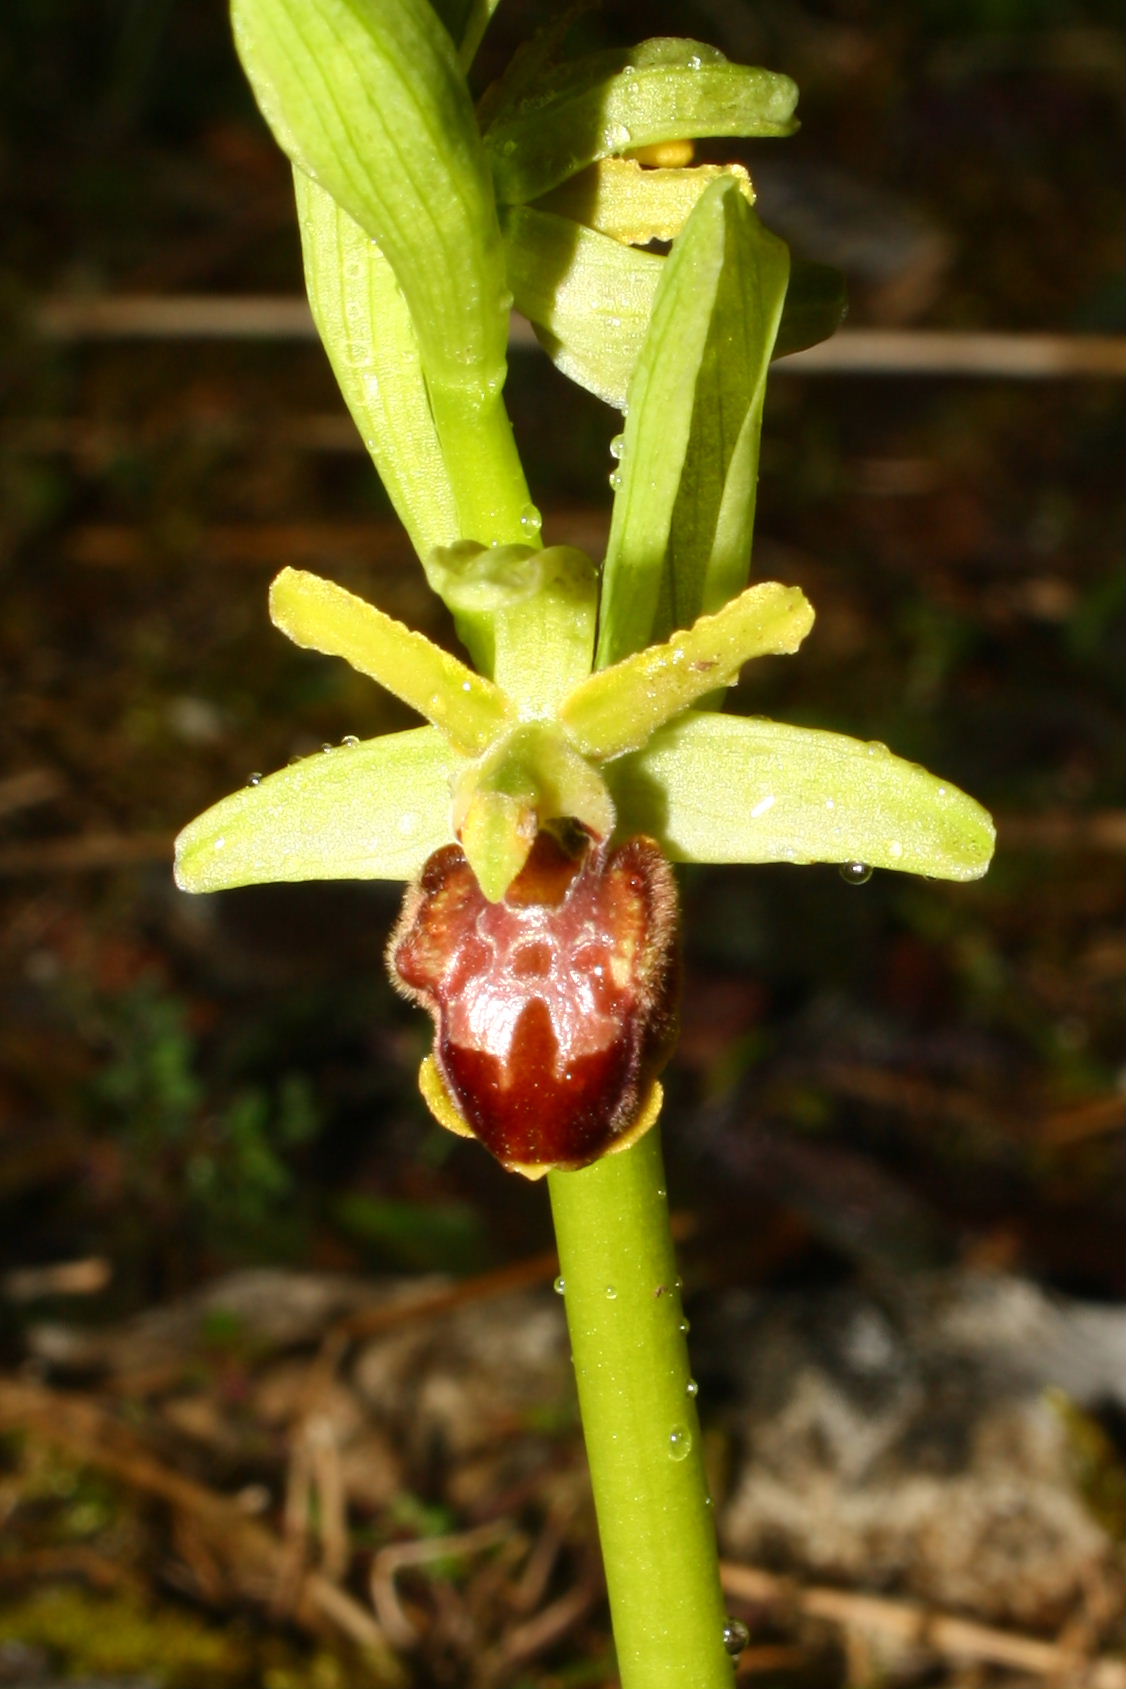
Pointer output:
527, 617
611, 102
680, 537
321, 616
369, 100
532, 776
722, 788
619, 708
372, 811
365, 325
588, 297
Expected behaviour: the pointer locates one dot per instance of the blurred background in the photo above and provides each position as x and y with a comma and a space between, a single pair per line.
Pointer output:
285, 1396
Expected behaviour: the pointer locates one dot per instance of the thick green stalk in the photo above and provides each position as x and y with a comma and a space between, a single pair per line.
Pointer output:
491, 493
643, 1441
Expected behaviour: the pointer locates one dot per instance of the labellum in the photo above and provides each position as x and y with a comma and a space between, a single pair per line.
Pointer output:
554, 1008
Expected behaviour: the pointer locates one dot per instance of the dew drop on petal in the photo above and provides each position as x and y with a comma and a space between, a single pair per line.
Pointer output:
254, 779
560, 1285
327, 748
611, 1293
349, 740
692, 1388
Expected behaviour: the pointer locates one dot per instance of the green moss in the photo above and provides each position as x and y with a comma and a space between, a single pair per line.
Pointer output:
120, 1635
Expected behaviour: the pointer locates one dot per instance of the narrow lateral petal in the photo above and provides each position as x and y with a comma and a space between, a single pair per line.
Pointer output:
372, 811
322, 616
619, 708
719, 788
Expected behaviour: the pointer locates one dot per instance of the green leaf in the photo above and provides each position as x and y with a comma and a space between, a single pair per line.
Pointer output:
372, 811
720, 788
816, 306
365, 325
321, 616
368, 99
588, 297
527, 616
680, 538
619, 708
612, 102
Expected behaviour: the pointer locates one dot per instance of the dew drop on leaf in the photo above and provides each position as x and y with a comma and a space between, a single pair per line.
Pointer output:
855, 873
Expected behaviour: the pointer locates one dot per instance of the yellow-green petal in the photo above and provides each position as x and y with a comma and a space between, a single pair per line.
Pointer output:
321, 616
635, 204
372, 811
618, 709
720, 788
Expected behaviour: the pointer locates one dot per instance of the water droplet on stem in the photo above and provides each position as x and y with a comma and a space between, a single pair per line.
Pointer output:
680, 1442
735, 1635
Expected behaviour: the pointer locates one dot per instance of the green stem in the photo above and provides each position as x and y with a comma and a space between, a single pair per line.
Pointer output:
639, 1415
484, 468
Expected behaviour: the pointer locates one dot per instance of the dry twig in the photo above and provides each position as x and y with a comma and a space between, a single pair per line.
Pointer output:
911, 1625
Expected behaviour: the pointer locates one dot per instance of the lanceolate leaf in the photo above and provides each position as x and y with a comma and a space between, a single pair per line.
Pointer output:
372, 811
680, 538
721, 788
369, 100
363, 320
664, 90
